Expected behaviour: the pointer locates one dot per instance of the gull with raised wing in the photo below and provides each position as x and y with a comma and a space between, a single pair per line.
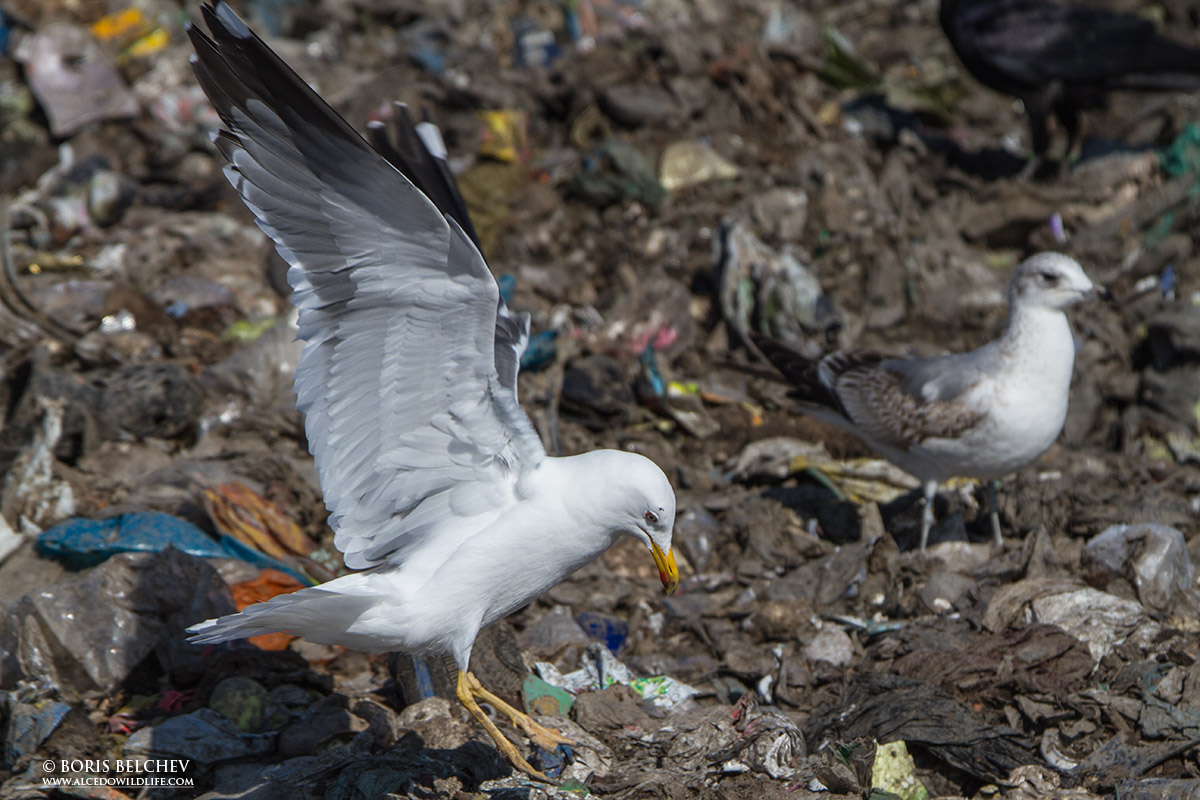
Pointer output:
438, 487
982, 414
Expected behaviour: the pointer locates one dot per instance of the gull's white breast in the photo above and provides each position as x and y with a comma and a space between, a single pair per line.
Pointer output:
1024, 404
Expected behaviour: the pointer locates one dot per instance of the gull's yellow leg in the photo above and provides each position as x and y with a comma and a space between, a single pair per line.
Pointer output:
540, 735
464, 692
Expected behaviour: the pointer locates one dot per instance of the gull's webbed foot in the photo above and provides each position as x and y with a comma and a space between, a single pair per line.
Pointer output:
469, 688
540, 735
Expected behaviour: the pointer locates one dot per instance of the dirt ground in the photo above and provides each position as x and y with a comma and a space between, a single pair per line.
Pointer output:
655, 179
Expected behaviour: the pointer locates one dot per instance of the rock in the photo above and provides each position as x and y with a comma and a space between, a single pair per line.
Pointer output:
436, 722
87, 634
203, 736
1153, 558
635, 106
555, 635
596, 392
944, 590
327, 723
1099, 620
831, 645
614, 709
781, 620
781, 213
242, 701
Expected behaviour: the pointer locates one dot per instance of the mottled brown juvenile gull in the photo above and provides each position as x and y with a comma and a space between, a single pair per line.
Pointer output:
982, 414
437, 485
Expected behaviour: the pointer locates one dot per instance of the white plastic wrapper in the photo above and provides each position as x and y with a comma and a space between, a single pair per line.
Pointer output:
602, 669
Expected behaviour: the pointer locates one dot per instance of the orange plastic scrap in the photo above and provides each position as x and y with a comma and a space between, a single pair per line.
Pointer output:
133, 32
127, 24
239, 511
268, 584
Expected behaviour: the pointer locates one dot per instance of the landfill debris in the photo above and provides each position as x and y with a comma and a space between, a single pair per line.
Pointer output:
615, 172
657, 181
28, 725
769, 291
880, 706
269, 583
203, 736
242, 701
32, 492
860, 479
1153, 558
88, 634
9, 540
504, 136
81, 543
895, 772
73, 78
542, 698
688, 163
1100, 620
242, 514
601, 669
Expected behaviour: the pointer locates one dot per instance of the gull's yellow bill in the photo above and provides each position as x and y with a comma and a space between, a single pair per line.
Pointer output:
668, 572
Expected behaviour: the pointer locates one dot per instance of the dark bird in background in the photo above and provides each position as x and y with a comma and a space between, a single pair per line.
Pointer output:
1061, 60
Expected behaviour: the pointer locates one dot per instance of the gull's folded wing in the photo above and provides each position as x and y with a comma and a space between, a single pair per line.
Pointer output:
903, 402
893, 402
409, 419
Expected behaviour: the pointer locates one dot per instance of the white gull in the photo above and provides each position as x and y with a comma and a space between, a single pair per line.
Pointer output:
982, 414
437, 485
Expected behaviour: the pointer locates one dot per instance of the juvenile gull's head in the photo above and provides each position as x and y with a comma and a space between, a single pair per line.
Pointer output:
1049, 280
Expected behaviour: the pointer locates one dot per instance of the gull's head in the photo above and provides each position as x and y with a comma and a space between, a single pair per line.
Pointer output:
1050, 280
644, 504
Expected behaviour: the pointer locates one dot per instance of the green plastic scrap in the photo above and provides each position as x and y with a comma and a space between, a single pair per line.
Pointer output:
541, 697
1182, 156
1155, 234
842, 68
894, 772
631, 176
247, 331
656, 686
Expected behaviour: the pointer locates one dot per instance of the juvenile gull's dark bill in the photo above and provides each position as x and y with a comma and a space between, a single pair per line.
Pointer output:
982, 414
436, 483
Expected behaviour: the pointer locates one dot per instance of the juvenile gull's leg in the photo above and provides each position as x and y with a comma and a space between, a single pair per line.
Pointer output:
994, 508
929, 489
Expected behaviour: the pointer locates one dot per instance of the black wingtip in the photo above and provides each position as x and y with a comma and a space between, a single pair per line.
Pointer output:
234, 67
232, 23
801, 372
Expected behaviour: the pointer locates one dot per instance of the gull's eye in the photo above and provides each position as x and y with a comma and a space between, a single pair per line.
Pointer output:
1048, 278
650, 517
